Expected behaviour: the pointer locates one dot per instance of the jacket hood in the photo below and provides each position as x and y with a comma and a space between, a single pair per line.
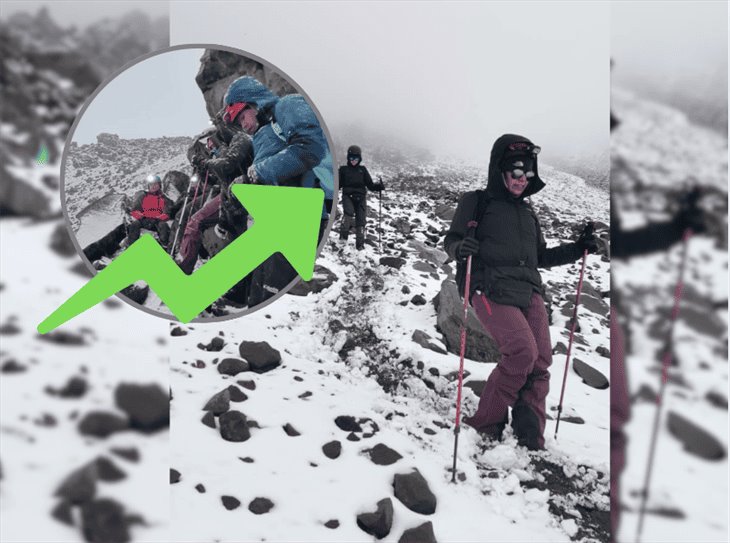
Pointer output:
495, 181
250, 90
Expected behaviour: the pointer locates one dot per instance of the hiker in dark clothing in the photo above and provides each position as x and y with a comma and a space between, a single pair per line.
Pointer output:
150, 210
506, 289
355, 181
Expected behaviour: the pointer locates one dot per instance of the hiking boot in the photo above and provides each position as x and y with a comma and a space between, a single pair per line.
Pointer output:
491, 432
360, 238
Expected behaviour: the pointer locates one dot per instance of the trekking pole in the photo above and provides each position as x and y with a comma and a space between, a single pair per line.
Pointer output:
570, 340
380, 216
195, 196
666, 361
462, 352
180, 222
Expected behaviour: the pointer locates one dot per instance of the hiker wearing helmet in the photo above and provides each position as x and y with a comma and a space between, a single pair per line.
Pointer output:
150, 210
500, 229
355, 181
288, 147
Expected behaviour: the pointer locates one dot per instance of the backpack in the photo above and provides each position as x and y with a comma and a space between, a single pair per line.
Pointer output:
479, 209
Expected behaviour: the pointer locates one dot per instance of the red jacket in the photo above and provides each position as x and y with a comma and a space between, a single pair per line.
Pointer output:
151, 206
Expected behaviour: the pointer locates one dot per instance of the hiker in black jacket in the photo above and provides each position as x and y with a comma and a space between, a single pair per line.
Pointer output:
355, 181
506, 289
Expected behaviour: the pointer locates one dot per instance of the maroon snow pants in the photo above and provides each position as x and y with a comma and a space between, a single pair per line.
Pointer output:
620, 413
190, 244
521, 379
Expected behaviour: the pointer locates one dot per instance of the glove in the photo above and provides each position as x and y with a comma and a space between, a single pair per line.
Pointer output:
198, 162
136, 214
467, 247
690, 215
587, 240
253, 177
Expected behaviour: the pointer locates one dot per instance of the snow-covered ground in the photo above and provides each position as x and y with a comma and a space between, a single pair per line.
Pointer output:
657, 154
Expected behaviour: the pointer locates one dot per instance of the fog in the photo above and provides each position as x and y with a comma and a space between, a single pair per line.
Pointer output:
675, 52
81, 13
448, 77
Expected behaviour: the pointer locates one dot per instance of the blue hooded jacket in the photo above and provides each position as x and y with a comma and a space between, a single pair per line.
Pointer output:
292, 145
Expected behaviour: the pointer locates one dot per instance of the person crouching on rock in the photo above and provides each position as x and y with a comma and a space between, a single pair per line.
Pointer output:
506, 288
355, 181
150, 210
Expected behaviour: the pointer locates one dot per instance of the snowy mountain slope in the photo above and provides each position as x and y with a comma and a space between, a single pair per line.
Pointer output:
347, 351
658, 154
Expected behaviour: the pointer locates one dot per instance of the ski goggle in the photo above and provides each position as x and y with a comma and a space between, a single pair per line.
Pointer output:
524, 147
517, 173
232, 111
354, 157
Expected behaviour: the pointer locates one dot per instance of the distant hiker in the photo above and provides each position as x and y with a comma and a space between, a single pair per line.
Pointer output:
150, 209
227, 163
506, 289
288, 146
355, 181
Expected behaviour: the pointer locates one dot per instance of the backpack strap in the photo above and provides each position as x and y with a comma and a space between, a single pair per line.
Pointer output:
479, 209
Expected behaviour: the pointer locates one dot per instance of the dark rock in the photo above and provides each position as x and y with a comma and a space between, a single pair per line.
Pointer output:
62, 513
246, 460
696, 440
304, 395
445, 212
260, 506
61, 243
429, 431
645, 394
321, 279
603, 351
104, 521
61, 337
424, 340
236, 394
216, 344
102, 424
332, 524
130, 453
413, 491
574, 419
232, 366
347, 423
475, 386
379, 522
147, 406
290, 430
418, 300
80, 485
219, 403
405, 289
248, 385
450, 313
382, 455
332, 450
108, 471
420, 534
233, 426
209, 419
426, 268
177, 332
591, 376
137, 293
200, 488
12, 366
261, 356
560, 348
392, 261
352, 436
9, 329
230, 503
174, 476
717, 399
75, 387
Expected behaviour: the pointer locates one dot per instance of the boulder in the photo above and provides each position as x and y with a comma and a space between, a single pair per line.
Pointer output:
379, 522
419, 534
413, 492
147, 406
261, 356
424, 340
233, 426
382, 455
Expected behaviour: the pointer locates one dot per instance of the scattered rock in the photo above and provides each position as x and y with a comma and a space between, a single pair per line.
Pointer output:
413, 492
405, 289
475, 386
108, 470
418, 299
248, 385
233, 426
232, 366
379, 522
177, 332
230, 503
332, 450
61, 243
137, 293
209, 420
645, 394
347, 423
200, 488
382, 455
75, 387
174, 476
104, 521
591, 376
12, 366
332, 524
62, 513
9, 329
424, 340
321, 279
102, 424
129, 453
392, 261
603, 351
147, 406
290, 430
420, 534
261, 356
80, 485
216, 344
260, 506
219, 403
696, 440
61, 337
717, 399
236, 394
352, 436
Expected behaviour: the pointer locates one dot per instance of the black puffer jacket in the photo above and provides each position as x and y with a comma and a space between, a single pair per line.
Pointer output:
511, 244
233, 160
356, 180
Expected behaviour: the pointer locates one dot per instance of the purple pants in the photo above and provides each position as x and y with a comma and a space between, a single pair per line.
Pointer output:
190, 244
620, 413
521, 379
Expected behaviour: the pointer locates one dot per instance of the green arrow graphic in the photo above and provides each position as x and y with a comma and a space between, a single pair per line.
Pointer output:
286, 220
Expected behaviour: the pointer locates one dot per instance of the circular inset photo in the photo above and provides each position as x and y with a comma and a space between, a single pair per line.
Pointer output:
200, 180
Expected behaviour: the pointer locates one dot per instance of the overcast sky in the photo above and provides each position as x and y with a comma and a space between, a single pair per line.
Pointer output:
451, 77
155, 97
